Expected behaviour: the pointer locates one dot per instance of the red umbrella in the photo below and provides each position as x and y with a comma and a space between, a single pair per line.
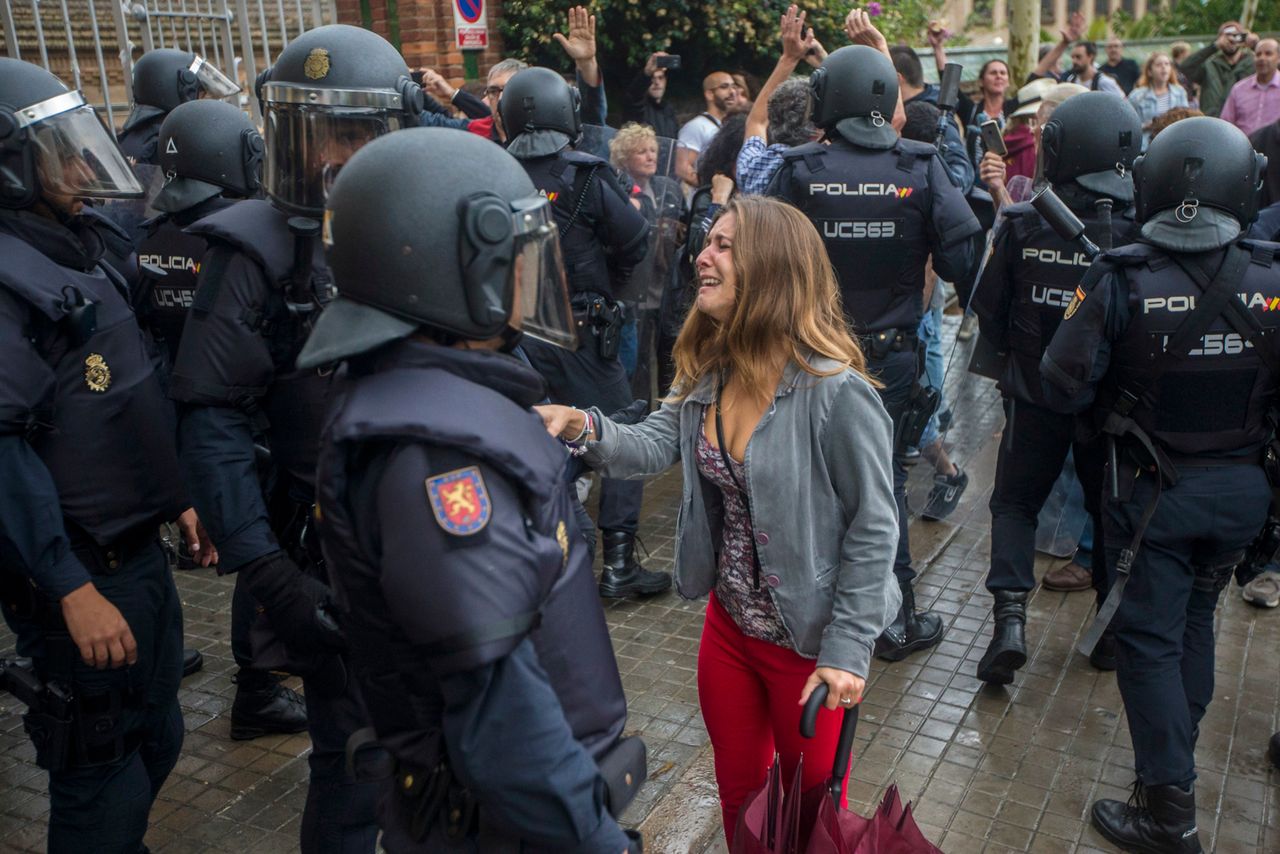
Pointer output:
891, 830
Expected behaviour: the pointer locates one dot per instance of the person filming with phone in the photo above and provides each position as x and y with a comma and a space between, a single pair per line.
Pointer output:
645, 99
1218, 66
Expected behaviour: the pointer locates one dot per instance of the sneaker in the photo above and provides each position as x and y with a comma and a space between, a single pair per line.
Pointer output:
1264, 590
968, 327
1069, 578
910, 456
945, 495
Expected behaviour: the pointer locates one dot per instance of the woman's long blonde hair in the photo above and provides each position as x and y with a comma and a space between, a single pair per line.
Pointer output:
787, 306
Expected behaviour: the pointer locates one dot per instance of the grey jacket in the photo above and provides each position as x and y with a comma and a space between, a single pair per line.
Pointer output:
819, 474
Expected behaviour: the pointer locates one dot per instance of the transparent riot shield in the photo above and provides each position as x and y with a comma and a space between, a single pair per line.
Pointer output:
129, 214
595, 140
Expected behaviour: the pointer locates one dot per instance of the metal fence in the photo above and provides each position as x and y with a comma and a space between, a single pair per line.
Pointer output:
239, 36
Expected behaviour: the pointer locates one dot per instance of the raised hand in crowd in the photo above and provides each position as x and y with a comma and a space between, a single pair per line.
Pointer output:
860, 30
435, 84
937, 35
992, 169
797, 43
721, 189
580, 44
651, 64
1074, 30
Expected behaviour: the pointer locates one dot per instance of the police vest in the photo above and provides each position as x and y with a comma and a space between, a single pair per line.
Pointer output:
565, 179
141, 133
1045, 271
1214, 401
871, 208
294, 405
432, 406
108, 441
169, 248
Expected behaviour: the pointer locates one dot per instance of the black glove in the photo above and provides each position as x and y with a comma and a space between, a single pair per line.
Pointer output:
299, 608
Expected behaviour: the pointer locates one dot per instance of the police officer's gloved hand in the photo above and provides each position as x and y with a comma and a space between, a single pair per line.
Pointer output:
299, 607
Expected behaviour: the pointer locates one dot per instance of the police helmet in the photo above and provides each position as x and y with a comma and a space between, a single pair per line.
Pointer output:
52, 142
164, 78
540, 112
464, 254
207, 148
332, 90
1198, 163
855, 91
1093, 139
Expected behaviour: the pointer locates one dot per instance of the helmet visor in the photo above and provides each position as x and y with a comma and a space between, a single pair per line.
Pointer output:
541, 306
308, 145
76, 156
212, 80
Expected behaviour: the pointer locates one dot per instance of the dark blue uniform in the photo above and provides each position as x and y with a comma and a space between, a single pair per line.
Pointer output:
89, 472
1205, 419
140, 134
883, 214
469, 602
602, 243
1027, 284
234, 380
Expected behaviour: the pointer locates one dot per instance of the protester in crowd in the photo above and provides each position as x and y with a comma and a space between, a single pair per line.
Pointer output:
720, 95
1157, 93
1254, 102
1178, 51
1084, 70
1020, 140
1219, 65
785, 451
993, 101
1125, 71
1177, 114
471, 106
748, 87
645, 99
1049, 65
912, 89
779, 118
634, 151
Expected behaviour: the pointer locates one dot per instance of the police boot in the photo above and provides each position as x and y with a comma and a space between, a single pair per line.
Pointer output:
1157, 819
1008, 649
623, 575
909, 631
265, 707
192, 661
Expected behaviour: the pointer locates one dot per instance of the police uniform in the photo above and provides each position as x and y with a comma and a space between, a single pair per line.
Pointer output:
163, 78
1172, 344
139, 134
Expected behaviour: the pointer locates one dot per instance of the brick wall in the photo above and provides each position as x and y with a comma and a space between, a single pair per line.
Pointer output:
426, 33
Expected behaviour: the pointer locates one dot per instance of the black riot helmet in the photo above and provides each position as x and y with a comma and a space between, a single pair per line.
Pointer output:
52, 143
1198, 163
332, 90
540, 112
855, 91
464, 254
164, 78
206, 149
1093, 139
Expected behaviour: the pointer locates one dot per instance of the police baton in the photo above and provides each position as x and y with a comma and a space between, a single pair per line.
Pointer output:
948, 97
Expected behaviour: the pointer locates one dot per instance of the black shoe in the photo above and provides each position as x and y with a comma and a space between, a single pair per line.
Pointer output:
1156, 820
265, 707
1103, 656
1008, 649
910, 631
623, 575
192, 662
945, 495
1274, 750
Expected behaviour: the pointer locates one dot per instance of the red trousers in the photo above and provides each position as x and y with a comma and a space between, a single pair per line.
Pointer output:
749, 691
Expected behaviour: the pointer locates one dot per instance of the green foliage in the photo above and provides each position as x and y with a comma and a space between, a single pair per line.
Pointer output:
1193, 17
1097, 31
708, 34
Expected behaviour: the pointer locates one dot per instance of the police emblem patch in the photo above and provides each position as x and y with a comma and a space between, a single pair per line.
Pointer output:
97, 375
460, 501
1076, 299
317, 64
562, 537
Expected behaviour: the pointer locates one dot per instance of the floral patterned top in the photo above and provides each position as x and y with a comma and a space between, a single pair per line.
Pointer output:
752, 610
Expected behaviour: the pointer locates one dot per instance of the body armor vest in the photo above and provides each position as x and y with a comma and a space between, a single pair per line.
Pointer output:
294, 405
871, 208
1214, 401
432, 406
108, 439
562, 178
166, 300
1044, 270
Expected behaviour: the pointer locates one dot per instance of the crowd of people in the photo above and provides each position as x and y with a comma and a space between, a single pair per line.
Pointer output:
374, 390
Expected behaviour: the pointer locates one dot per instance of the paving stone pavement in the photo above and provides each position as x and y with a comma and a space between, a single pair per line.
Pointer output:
991, 770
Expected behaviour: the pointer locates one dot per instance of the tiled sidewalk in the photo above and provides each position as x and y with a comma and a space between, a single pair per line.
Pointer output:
992, 769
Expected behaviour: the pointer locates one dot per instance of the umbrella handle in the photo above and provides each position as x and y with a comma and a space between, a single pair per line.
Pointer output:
844, 746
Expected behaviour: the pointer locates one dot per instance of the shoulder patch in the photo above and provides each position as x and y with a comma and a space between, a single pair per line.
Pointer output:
460, 501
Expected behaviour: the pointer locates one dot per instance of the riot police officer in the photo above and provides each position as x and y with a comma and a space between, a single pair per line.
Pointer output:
261, 285
90, 471
603, 238
1087, 151
162, 79
1170, 342
883, 206
211, 156
473, 672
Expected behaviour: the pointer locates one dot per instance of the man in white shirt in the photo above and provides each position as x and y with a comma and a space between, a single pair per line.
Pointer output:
721, 99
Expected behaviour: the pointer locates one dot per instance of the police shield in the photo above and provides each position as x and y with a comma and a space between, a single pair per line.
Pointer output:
131, 213
595, 140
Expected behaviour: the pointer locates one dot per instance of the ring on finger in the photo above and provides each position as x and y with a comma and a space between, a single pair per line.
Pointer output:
847, 701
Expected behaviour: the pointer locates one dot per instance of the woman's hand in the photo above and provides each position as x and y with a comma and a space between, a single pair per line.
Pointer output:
992, 170
562, 422
841, 685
